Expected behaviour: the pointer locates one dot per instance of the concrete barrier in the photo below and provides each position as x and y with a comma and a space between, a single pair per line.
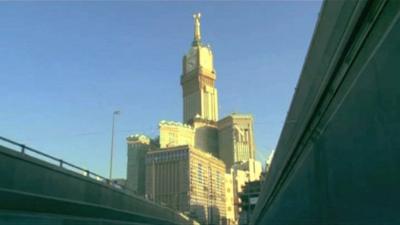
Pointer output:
32, 188
338, 156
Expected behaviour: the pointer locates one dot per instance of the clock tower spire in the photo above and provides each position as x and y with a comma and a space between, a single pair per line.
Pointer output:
200, 97
197, 34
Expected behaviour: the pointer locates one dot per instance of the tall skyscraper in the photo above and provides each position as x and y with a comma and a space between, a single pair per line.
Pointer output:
200, 97
200, 161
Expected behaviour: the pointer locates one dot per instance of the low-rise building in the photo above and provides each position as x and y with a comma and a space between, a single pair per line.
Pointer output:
248, 200
242, 173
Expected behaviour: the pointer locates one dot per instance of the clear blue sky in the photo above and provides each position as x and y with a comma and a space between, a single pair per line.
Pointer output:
65, 66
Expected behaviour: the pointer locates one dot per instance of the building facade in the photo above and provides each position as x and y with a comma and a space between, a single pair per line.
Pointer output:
252, 167
236, 139
242, 173
176, 134
138, 146
188, 180
229, 200
206, 135
201, 134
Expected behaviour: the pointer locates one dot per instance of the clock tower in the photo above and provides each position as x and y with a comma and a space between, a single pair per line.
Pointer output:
200, 97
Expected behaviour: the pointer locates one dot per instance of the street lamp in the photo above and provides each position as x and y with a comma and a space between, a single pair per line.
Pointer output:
112, 142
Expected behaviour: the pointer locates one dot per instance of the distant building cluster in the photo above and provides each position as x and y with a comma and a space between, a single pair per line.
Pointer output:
200, 166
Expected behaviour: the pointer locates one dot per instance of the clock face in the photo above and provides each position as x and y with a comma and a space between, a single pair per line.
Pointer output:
190, 63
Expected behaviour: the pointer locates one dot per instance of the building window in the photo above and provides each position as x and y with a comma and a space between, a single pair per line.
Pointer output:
200, 173
218, 180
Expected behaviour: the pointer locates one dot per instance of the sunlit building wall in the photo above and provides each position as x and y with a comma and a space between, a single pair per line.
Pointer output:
175, 134
252, 167
188, 180
229, 200
202, 134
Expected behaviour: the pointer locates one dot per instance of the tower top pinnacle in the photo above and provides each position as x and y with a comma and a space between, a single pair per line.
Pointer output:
197, 35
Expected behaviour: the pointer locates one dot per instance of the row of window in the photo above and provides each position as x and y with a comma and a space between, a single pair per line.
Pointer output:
167, 156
